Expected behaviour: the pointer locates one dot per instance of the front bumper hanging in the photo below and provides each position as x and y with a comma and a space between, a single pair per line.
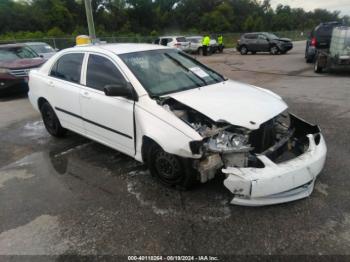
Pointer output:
277, 183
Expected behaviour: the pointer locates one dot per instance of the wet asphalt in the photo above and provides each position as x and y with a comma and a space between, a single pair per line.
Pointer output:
75, 196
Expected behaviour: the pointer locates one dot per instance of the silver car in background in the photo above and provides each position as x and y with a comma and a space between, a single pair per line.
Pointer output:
179, 42
196, 46
42, 49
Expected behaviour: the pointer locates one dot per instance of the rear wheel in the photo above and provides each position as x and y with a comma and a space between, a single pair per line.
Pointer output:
244, 50
51, 121
169, 169
317, 68
200, 51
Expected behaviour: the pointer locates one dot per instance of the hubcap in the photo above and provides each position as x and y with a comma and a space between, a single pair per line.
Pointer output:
167, 167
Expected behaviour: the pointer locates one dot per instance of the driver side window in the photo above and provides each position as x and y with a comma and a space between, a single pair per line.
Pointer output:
101, 72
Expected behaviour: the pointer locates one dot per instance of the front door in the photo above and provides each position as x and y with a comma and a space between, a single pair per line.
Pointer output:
107, 119
263, 43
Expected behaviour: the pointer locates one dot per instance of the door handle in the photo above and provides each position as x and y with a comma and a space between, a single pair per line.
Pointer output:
51, 83
86, 94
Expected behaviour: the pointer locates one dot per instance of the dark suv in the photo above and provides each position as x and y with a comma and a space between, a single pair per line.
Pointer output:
263, 42
15, 62
319, 38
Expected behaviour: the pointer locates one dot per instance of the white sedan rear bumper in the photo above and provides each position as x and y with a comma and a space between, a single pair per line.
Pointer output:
277, 183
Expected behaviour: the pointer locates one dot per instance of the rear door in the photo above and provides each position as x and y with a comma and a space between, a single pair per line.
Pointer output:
106, 119
64, 82
324, 35
252, 42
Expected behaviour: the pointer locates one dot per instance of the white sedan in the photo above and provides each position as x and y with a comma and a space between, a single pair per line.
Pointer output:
184, 120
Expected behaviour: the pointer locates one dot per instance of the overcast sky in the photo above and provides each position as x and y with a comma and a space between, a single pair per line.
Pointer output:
340, 5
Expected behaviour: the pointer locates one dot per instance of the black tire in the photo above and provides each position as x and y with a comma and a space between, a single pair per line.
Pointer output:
200, 51
243, 50
51, 121
309, 59
317, 68
274, 50
170, 170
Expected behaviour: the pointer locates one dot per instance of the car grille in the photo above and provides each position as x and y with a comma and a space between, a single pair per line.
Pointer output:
20, 72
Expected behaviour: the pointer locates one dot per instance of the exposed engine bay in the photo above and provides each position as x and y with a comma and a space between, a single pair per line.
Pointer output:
225, 145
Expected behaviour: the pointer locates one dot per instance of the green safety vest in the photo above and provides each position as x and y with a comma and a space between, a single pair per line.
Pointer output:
220, 40
206, 41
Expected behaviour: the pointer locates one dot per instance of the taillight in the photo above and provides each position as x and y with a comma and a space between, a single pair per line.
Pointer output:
313, 41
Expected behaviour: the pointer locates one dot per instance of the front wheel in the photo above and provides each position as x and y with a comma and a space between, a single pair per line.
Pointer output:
51, 121
169, 169
274, 50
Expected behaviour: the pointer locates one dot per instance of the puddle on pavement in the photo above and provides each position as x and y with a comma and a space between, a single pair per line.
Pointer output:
100, 168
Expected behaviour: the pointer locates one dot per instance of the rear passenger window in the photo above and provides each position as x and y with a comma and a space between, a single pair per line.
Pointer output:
251, 36
101, 72
68, 67
164, 41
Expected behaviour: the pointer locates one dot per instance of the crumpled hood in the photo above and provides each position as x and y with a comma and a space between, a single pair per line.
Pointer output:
22, 63
236, 103
284, 39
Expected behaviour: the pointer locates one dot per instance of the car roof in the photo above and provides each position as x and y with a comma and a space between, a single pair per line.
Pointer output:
192, 37
119, 48
171, 36
11, 45
36, 43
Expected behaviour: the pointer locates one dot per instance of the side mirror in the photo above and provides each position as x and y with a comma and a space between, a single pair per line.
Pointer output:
42, 56
122, 90
56, 49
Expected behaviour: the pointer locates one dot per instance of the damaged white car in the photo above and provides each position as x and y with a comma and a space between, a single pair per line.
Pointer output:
184, 120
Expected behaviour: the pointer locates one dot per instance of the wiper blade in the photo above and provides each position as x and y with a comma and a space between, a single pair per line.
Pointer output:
184, 67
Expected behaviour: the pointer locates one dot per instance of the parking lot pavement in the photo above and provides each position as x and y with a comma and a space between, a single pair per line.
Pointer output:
74, 196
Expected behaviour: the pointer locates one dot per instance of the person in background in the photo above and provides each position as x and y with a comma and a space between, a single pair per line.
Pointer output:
221, 43
205, 44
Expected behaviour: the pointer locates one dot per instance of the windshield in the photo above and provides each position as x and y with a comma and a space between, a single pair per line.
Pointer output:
168, 71
42, 48
272, 36
14, 53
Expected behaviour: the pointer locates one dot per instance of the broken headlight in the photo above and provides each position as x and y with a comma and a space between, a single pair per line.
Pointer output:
233, 148
227, 142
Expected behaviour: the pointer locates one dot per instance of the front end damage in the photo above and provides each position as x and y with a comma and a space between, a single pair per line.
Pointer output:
276, 163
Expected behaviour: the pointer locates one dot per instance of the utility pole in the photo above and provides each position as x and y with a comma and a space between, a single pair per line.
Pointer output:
90, 20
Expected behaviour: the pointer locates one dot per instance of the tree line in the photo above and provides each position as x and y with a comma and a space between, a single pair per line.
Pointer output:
39, 18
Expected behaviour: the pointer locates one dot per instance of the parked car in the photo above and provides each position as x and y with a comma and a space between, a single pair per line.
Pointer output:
337, 57
166, 109
42, 49
179, 42
319, 38
15, 62
196, 46
263, 42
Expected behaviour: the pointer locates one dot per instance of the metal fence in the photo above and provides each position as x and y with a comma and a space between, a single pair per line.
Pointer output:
230, 39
